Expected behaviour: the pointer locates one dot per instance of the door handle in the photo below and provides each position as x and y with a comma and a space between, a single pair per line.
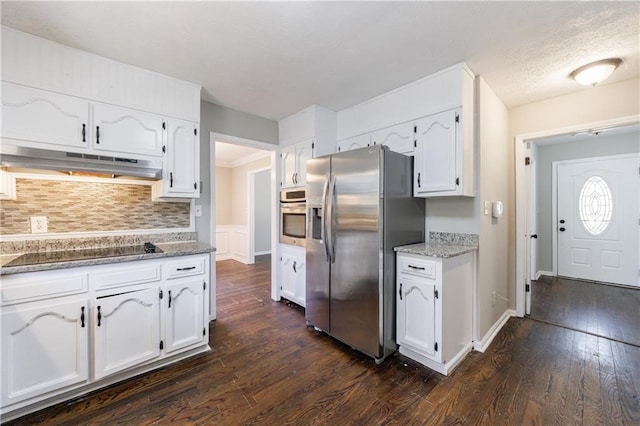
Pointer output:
534, 236
294, 266
561, 220
97, 134
323, 230
84, 132
418, 179
400, 291
562, 229
99, 316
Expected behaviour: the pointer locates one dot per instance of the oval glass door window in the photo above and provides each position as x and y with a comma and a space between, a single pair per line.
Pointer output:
595, 205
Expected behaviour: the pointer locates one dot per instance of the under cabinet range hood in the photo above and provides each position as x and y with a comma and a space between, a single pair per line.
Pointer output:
35, 158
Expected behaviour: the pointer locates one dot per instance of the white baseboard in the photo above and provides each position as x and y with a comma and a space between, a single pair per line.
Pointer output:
541, 273
441, 368
486, 340
260, 253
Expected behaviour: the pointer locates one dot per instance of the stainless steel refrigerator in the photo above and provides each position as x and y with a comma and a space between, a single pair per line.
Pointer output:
359, 206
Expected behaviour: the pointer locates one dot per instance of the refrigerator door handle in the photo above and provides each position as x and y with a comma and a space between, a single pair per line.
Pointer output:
323, 230
330, 232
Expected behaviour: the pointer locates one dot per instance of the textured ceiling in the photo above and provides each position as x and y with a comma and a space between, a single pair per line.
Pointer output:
275, 58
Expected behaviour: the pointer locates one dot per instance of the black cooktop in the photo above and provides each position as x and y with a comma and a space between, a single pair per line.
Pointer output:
82, 254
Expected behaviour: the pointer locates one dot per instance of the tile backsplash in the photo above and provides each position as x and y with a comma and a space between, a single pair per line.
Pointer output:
86, 206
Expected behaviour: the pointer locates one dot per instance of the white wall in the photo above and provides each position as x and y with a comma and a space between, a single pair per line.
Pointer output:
584, 146
262, 203
589, 105
239, 212
223, 196
495, 160
218, 119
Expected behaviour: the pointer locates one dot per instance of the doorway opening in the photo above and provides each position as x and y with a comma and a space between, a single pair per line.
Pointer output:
577, 222
243, 225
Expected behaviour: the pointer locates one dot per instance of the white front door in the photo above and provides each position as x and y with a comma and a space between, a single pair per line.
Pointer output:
597, 219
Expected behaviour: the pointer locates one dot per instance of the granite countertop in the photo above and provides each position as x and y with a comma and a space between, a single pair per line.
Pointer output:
171, 249
436, 249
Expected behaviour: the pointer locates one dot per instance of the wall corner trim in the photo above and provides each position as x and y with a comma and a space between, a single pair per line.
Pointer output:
486, 340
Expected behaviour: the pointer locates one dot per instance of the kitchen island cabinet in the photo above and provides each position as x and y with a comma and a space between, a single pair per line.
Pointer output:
434, 305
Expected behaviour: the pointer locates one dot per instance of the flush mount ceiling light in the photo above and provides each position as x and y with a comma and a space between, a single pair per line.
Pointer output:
595, 72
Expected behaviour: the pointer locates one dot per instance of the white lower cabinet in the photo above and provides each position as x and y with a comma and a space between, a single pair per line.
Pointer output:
293, 274
67, 332
434, 309
183, 314
126, 331
44, 348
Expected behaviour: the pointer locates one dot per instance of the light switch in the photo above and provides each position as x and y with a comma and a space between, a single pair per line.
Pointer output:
487, 206
497, 208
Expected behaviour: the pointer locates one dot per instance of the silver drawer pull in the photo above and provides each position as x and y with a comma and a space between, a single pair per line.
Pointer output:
189, 268
416, 267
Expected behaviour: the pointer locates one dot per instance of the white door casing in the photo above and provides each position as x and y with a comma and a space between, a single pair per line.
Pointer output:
597, 219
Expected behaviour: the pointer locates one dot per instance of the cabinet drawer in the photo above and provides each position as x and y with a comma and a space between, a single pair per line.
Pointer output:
416, 266
38, 286
125, 276
184, 267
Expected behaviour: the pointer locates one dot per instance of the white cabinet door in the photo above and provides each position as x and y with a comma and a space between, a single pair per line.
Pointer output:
126, 331
183, 312
288, 166
299, 268
126, 131
354, 143
436, 154
44, 119
398, 138
43, 349
304, 152
416, 327
182, 160
287, 277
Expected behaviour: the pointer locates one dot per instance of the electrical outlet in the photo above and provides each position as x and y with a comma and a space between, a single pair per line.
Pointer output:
38, 224
198, 210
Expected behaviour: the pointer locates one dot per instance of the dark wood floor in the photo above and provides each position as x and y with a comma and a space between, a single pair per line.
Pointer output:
266, 367
600, 309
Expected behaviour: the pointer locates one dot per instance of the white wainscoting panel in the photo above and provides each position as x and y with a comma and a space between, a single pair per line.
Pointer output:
232, 243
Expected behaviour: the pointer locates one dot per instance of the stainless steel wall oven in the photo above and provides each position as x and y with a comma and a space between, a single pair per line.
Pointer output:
293, 217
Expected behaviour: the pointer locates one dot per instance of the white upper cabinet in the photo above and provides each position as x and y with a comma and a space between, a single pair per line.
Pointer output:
356, 142
293, 163
436, 168
121, 130
398, 138
42, 119
60, 98
33, 61
181, 165
416, 119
